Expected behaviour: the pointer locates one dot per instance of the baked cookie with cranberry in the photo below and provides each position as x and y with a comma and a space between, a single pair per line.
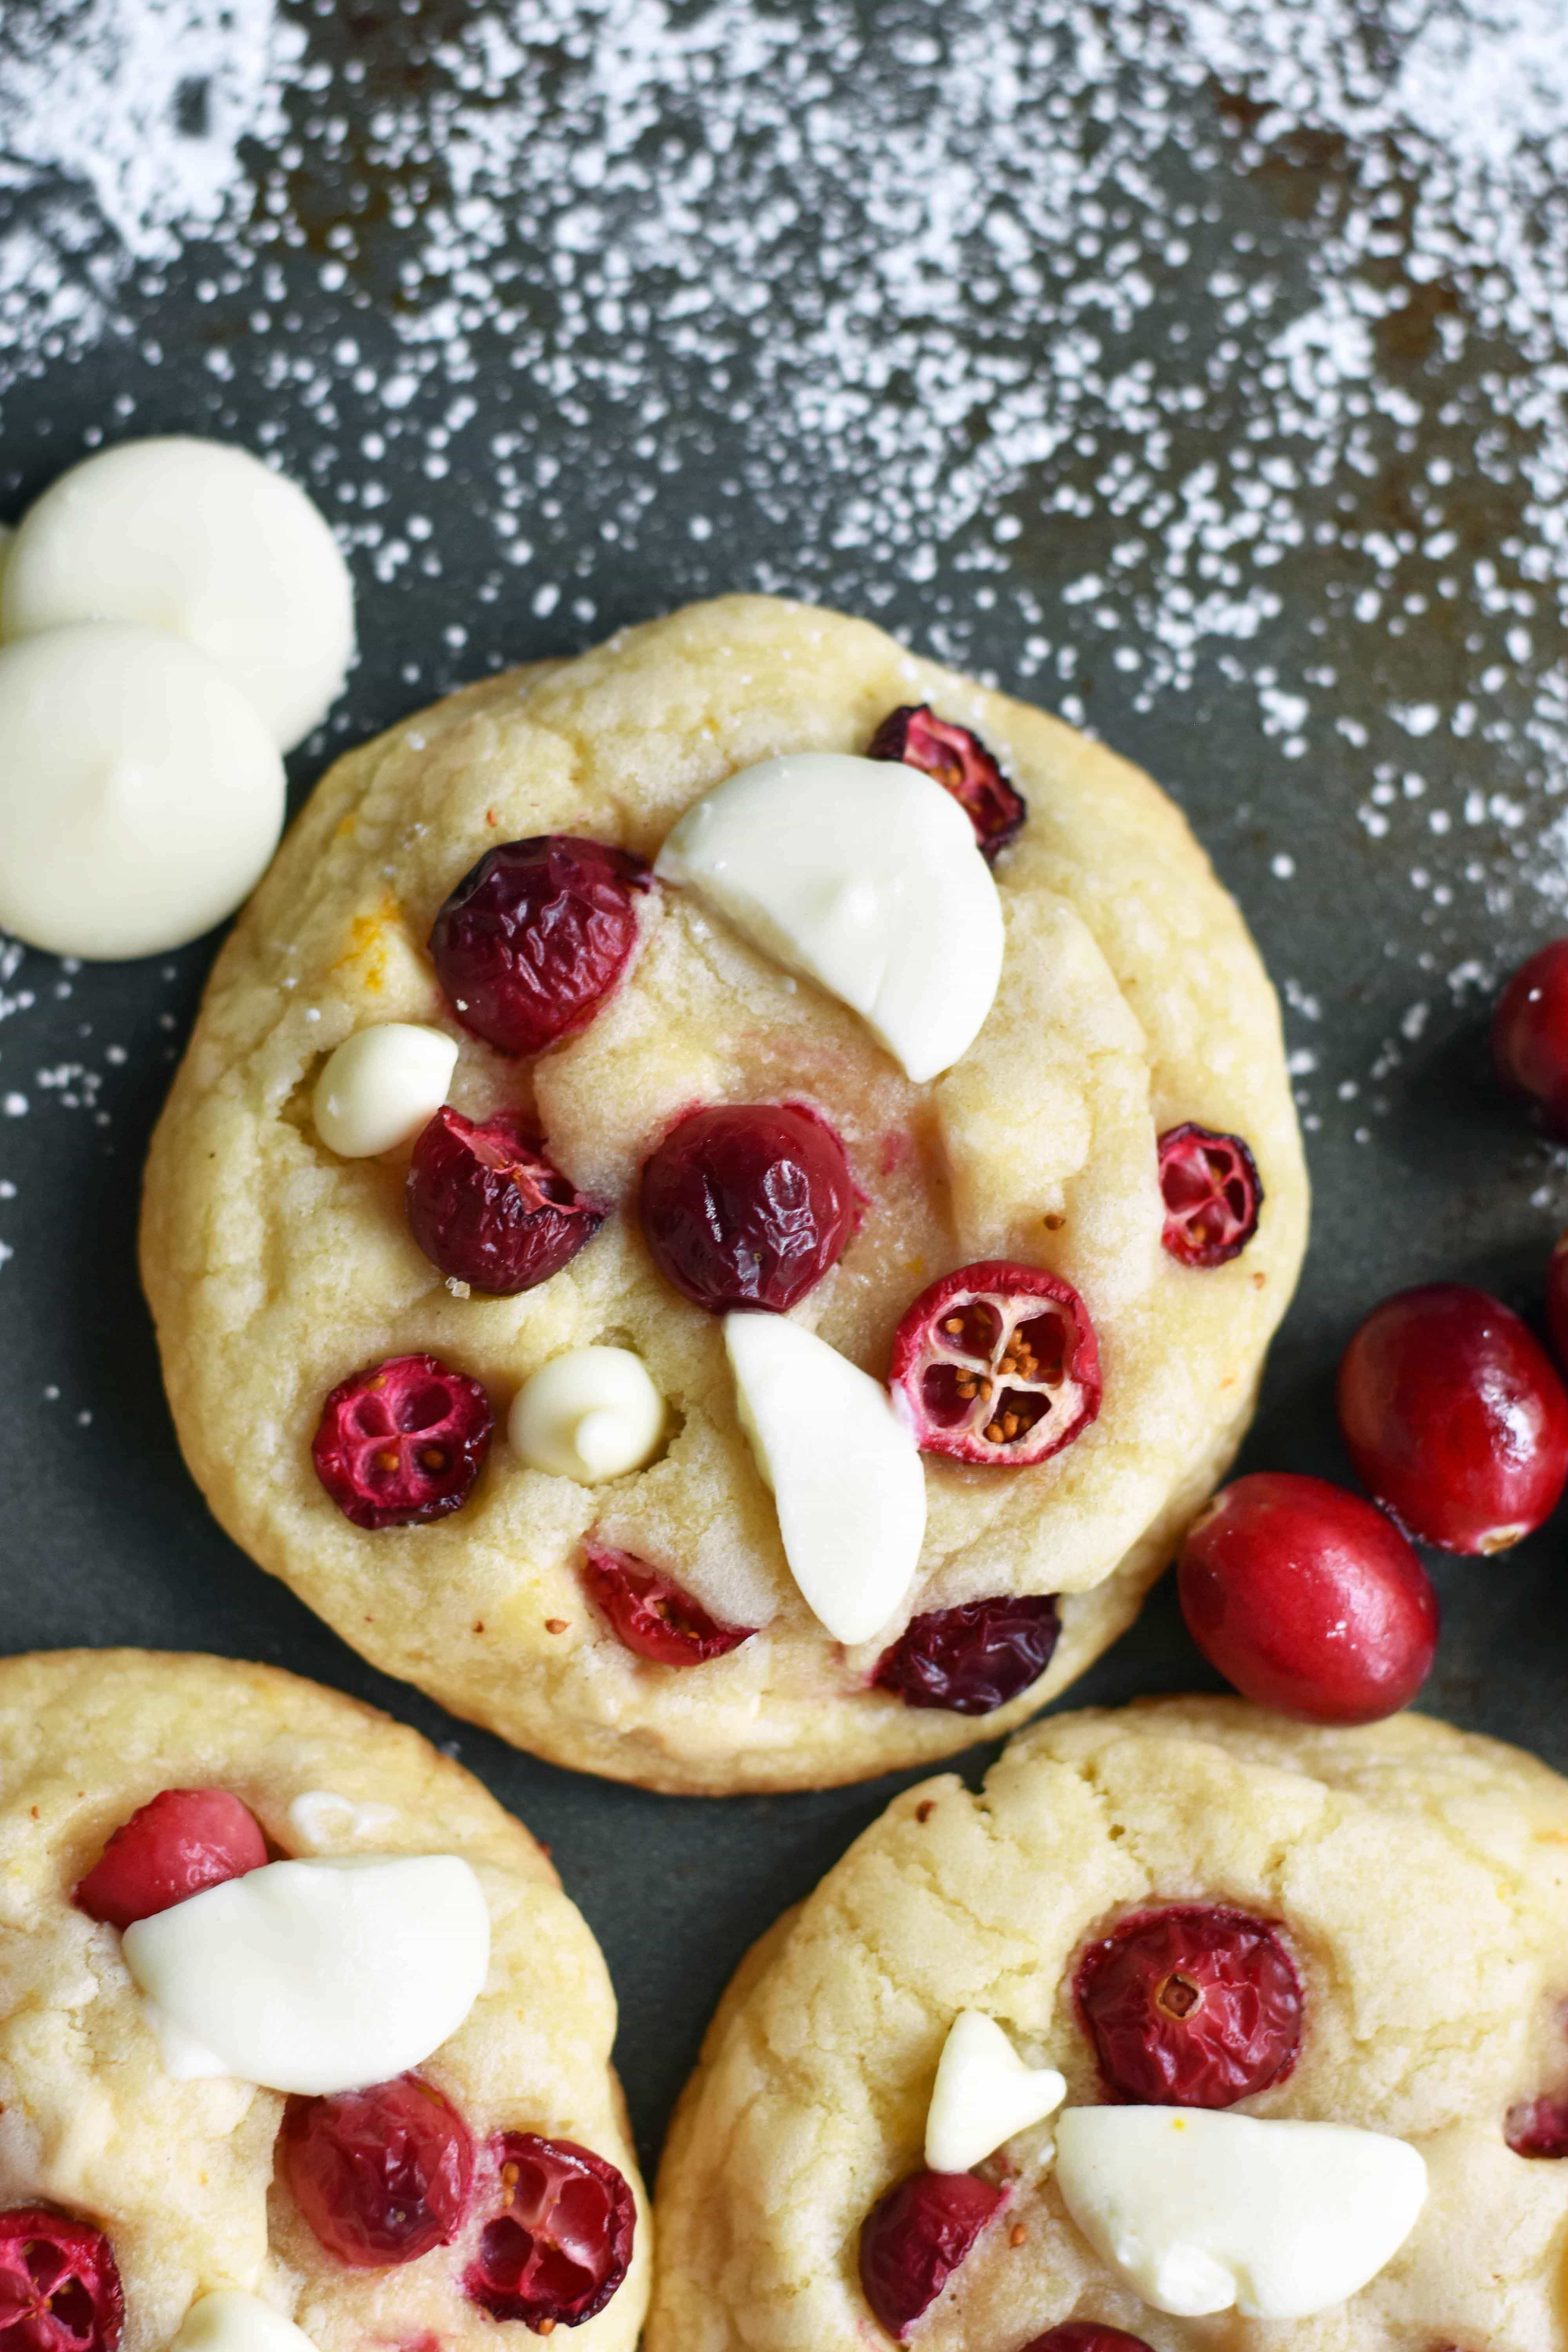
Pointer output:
1192, 2026
726, 1203
300, 2043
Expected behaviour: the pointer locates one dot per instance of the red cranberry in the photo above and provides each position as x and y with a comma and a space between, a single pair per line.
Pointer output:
402, 1441
1192, 2006
1307, 1600
1086, 2336
536, 936
748, 1205
1557, 1298
181, 1840
914, 2237
1455, 1418
559, 2242
1212, 1193
652, 1615
487, 1206
1538, 2127
961, 763
972, 1658
59, 2285
380, 2175
1530, 1034
997, 1364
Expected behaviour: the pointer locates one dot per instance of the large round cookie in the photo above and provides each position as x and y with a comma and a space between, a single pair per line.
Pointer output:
1131, 1001
1419, 1879
183, 2176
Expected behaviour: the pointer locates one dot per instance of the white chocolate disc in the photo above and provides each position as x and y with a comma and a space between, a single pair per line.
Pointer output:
140, 797
381, 1085
229, 2320
207, 542
591, 1413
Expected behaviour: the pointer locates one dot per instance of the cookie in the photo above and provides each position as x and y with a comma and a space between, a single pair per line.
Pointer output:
172, 1831
643, 1618
1318, 1957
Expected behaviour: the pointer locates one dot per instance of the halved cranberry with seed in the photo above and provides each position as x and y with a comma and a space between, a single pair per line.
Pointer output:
402, 1441
997, 1364
1212, 1192
652, 1615
179, 1841
1455, 1417
559, 2242
972, 1658
748, 1205
1086, 2336
914, 2237
487, 1206
59, 2285
1538, 2127
1530, 1034
961, 763
1194, 2005
380, 2175
536, 936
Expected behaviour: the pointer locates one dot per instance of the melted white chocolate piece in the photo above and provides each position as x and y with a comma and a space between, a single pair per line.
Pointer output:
378, 1088
983, 2093
591, 1413
229, 2320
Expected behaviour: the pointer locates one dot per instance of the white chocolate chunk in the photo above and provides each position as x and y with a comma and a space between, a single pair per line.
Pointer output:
202, 540
381, 1085
845, 1474
983, 2093
1201, 2211
140, 797
591, 1413
320, 1976
865, 876
228, 2320
320, 1817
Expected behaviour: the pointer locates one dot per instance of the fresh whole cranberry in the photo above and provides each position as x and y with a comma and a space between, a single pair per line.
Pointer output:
536, 936
179, 1841
380, 2175
972, 1658
1086, 2336
487, 1206
1538, 2127
59, 2285
652, 1615
914, 2237
961, 763
997, 1364
559, 2239
1212, 1192
402, 1441
1455, 1418
1530, 1034
1307, 1600
748, 1205
1191, 2006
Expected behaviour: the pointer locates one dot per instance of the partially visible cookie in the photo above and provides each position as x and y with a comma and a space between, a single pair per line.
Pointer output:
1199, 1915
418, 2211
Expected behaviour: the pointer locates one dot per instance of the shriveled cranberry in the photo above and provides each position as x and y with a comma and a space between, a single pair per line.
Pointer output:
972, 1658
1194, 2005
997, 1363
559, 2239
1307, 1600
748, 1205
487, 1206
536, 936
1530, 1034
1086, 2336
1212, 1192
59, 2285
179, 1841
1455, 1418
914, 2237
651, 1614
402, 1441
380, 2175
1538, 2127
1557, 1298
961, 763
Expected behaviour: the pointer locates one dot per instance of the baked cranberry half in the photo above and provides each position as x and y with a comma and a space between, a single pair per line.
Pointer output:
402, 1441
558, 2238
1086, 2336
488, 1208
915, 2237
1530, 1034
536, 936
380, 2175
1212, 1192
172, 1847
1538, 2127
997, 1364
748, 1205
650, 1613
1194, 2005
59, 2285
959, 760
972, 1658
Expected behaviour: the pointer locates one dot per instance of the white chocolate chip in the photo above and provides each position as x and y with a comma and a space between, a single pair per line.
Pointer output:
591, 1413
983, 2093
228, 2320
381, 1085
